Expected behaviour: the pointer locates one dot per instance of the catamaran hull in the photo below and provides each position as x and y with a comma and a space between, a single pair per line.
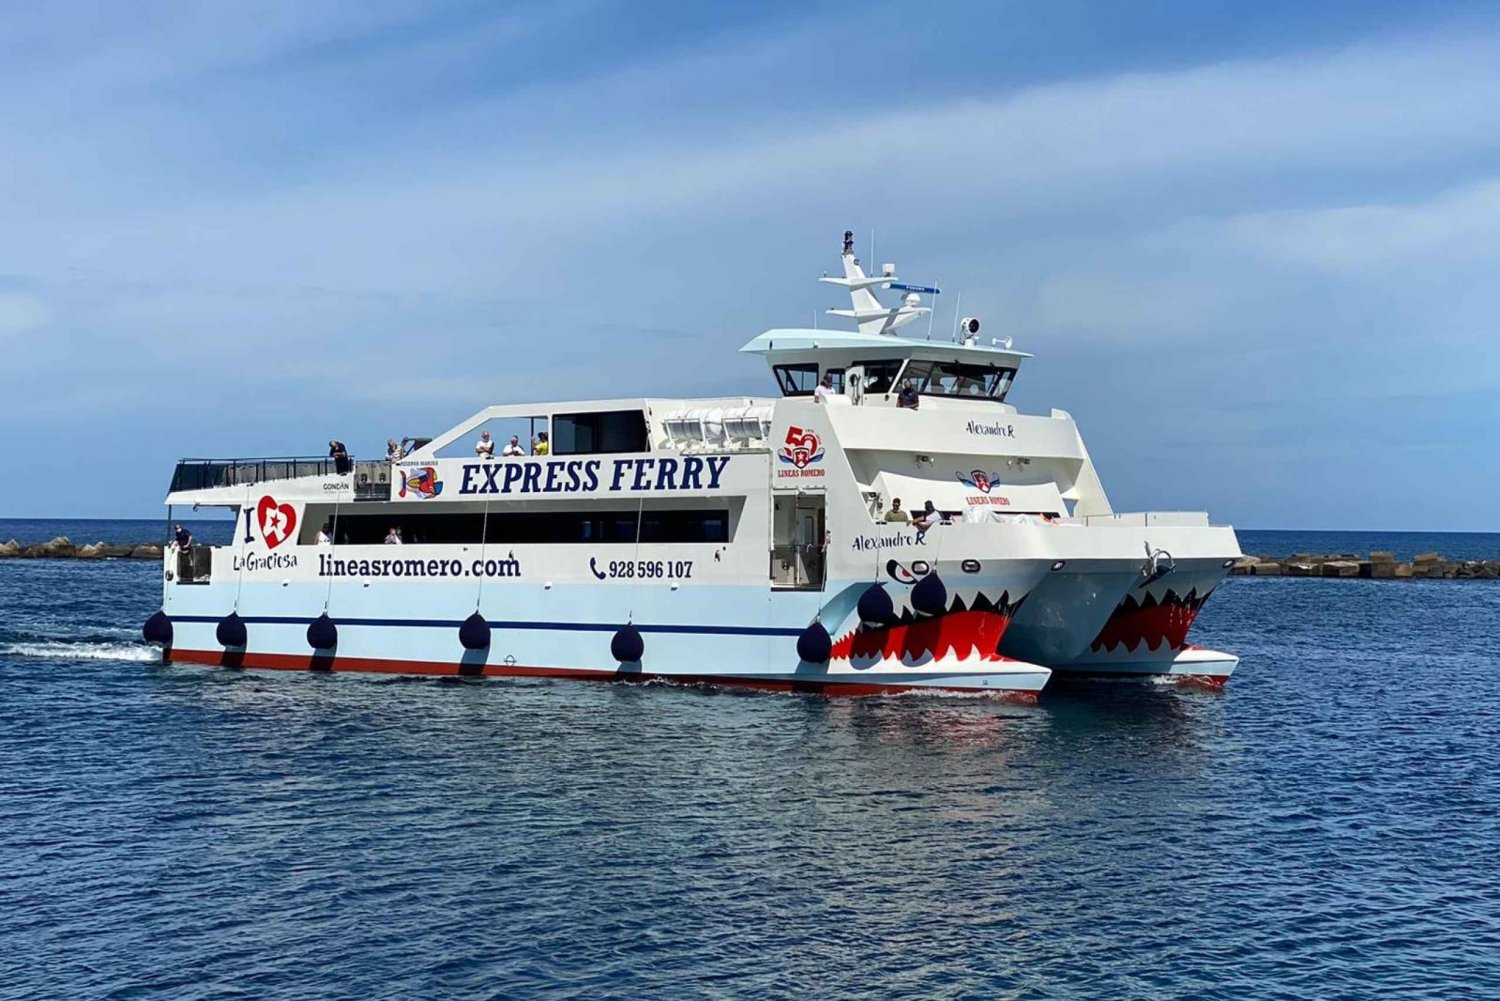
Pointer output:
412, 630
1145, 633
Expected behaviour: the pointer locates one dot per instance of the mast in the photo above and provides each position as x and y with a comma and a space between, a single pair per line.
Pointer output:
868, 313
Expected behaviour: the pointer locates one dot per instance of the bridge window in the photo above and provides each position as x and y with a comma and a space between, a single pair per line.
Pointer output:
599, 433
944, 378
796, 380
880, 376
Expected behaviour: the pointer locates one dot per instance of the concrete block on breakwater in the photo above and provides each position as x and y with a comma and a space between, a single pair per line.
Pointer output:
62, 548
1379, 566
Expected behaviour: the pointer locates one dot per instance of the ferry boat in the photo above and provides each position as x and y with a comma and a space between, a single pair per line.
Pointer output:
745, 541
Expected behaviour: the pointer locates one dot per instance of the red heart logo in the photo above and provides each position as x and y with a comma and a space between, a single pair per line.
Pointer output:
277, 521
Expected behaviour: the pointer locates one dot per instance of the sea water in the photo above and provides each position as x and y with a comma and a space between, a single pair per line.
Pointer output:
1325, 827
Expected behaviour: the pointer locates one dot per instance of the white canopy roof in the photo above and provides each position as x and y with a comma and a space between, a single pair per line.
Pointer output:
790, 339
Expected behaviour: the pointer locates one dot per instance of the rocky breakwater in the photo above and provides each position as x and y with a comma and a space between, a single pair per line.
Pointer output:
1377, 566
61, 548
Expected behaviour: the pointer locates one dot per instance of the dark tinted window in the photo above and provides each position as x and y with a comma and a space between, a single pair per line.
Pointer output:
880, 376
796, 380
685, 526
592, 434
514, 528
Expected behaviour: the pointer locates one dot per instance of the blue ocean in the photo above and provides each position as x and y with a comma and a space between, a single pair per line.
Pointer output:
1324, 827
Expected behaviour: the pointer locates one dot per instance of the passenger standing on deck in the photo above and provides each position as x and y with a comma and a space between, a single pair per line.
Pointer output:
927, 517
340, 456
908, 396
485, 446
514, 448
540, 445
325, 534
895, 513
392, 451
183, 536
824, 389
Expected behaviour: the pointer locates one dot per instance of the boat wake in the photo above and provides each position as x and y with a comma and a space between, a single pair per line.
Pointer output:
62, 650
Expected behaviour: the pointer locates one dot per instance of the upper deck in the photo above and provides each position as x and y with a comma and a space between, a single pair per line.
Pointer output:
959, 388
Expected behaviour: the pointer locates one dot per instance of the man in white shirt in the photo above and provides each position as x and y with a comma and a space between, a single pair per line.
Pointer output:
325, 534
485, 446
824, 389
514, 448
928, 517
393, 537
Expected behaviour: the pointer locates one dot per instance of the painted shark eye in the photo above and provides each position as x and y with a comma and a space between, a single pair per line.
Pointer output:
1059, 565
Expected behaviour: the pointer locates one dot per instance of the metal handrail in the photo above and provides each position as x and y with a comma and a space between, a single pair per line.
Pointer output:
204, 474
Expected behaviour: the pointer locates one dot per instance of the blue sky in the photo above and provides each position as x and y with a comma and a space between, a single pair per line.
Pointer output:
1254, 247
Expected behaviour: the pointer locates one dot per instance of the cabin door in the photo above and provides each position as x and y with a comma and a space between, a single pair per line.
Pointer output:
798, 541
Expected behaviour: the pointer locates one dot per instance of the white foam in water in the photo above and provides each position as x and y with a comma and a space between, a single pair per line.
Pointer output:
82, 651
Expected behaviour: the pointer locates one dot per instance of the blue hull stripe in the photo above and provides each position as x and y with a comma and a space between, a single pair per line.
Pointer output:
597, 627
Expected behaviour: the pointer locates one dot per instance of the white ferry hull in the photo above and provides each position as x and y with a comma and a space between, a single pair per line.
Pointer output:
566, 632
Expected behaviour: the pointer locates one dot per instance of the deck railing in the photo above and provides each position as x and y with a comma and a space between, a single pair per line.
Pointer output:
372, 477
205, 474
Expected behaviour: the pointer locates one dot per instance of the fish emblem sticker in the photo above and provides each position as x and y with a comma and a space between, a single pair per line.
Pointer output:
423, 483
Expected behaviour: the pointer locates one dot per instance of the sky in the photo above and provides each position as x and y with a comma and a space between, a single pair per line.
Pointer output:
1253, 246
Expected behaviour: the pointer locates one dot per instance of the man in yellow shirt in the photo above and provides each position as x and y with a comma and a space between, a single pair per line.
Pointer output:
540, 445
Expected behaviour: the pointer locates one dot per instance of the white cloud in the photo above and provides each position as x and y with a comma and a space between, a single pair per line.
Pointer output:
20, 313
1457, 226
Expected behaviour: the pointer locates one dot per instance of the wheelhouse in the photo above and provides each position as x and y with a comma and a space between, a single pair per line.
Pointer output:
870, 369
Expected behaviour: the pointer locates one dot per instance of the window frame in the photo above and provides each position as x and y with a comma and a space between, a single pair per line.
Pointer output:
899, 364
557, 437
781, 371
996, 377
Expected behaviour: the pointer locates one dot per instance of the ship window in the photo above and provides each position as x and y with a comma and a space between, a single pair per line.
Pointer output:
598, 433
943, 378
880, 376
796, 380
535, 527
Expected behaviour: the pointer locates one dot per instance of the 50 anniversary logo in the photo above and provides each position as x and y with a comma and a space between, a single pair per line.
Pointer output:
803, 448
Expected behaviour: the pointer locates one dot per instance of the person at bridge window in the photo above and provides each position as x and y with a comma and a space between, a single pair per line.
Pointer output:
340, 456
908, 396
485, 446
183, 537
514, 448
824, 389
540, 445
895, 513
392, 451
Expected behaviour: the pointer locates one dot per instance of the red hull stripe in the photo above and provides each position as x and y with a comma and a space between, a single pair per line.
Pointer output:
293, 662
